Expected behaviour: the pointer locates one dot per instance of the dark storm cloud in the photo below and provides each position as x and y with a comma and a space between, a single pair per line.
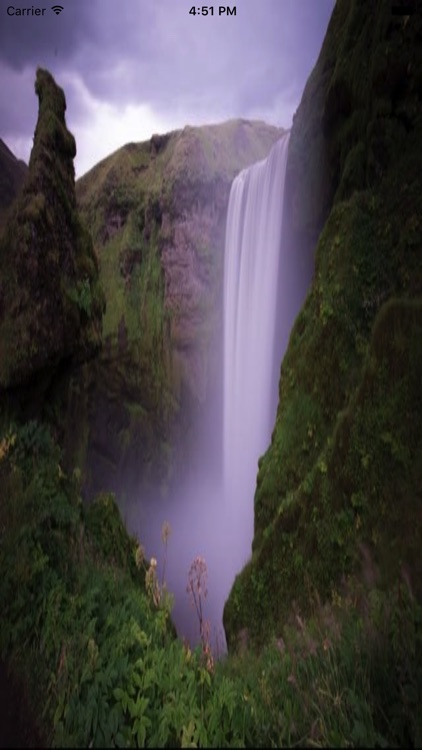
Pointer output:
239, 61
16, 108
130, 53
155, 50
27, 40
88, 39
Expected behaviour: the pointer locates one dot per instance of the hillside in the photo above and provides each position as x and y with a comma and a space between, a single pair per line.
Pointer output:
338, 495
157, 213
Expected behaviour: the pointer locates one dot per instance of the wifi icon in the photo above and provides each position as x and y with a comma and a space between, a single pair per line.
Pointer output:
57, 9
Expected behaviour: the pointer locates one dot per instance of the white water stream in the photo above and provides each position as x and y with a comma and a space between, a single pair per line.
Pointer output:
206, 518
251, 271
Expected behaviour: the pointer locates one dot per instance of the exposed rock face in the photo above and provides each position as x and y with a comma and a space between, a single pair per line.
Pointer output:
190, 259
50, 300
332, 482
12, 175
158, 212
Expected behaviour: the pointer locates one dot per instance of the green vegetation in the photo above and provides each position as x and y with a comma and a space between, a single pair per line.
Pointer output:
85, 627
52, 301
77, 615
124, 200
339, 489
157, 214
359, 498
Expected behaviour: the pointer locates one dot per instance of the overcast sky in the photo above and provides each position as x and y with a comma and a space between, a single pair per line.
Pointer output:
131, 68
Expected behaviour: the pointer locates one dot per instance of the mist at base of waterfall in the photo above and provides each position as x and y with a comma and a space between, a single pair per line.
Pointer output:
202, 523
213, 517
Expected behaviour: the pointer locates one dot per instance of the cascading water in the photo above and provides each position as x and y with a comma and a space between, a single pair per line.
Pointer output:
252, 252
207, 519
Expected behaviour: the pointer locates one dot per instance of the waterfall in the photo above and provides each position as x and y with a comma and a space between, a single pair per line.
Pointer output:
206, 518
251, 271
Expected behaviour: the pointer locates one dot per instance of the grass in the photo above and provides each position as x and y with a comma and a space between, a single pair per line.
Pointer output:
87, 632
343, 467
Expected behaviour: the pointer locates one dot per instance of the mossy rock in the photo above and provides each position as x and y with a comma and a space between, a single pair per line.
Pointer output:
343, 467
51, 299
157, 211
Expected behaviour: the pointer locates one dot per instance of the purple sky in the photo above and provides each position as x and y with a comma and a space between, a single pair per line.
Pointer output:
131, 68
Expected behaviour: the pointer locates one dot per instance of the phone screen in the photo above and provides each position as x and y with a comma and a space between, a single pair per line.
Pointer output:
210, 326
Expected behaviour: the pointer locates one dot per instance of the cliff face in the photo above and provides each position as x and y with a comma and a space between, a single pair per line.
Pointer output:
50, 300
12, 175
338, 491
157, 211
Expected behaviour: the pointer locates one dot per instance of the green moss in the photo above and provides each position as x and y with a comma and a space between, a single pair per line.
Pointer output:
98, 658
343, 468
52, 301
146, 203
362, 490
